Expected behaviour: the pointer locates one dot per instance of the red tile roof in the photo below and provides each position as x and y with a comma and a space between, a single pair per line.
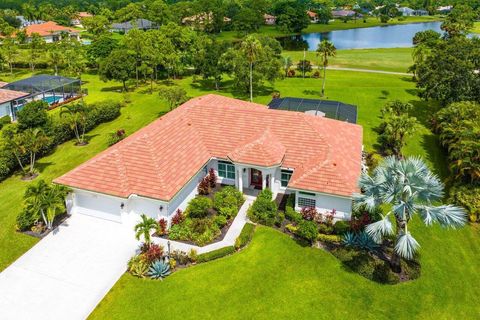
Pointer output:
158, 160
263, 149
47, 28
9, 95
3, 84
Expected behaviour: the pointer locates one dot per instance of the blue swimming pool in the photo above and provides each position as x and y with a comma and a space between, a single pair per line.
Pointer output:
51, 99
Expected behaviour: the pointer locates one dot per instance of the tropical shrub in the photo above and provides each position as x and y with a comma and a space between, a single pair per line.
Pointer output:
216, 254
228, 197
116, 137
180, 256
264, 209
178, 217
162, 227
159, 270
307, 230
193, 255
245, 236
203, 187
212, 178
154, 252
137, 266
330, 238
340, 227
180, 231
361, 240
4, 121
467, 196
325, 228
33, 115
26, 219
144, 227
291, 228
280, 219
199, 207
309, 213
173, 263
220, 221
293, 215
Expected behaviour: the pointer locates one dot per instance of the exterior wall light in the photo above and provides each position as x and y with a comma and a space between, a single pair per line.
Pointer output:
122, 205
161, 208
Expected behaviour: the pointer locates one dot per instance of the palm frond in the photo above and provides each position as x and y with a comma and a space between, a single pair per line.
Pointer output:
445, 215
380, 228
406, 246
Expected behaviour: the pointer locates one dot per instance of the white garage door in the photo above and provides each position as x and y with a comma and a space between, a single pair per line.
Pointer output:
98, 206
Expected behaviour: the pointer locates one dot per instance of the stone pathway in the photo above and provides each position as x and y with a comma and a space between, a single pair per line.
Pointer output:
229, 239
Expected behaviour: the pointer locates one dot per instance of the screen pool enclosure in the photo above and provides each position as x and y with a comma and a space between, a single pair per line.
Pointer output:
51, 89
325, 108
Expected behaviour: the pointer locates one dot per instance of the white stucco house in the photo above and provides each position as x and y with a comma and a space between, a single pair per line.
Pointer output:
51, 31
156, 170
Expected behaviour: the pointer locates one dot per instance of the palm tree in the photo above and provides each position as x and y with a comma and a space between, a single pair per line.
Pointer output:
76, 115
408, 187
34, 198
287, 63
325, 50
34, 140
144, 227
48, 200
252, 48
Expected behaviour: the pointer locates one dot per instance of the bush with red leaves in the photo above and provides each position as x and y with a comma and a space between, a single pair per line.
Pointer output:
359, 223
154, 252
309, 213
212, 178
178, 217
328, 217
204, 186
162, 226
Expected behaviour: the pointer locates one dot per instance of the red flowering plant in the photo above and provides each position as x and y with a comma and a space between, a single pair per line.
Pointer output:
328, 219
162, 226
178, 217
309, 213
212, 178
153, 253
204, 186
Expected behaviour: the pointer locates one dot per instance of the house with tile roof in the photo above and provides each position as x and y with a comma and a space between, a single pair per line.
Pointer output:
51, 31
8, 100
156, 170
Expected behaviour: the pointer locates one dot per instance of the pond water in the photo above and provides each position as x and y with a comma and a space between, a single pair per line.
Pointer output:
393, 36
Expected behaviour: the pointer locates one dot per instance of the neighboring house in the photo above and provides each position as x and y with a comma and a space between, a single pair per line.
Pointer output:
156, 170
405, 11
345, 14
201, 19
444, 9
269, 19
420, 12
50, 31
8, 100
125, 27
313, 16
54, 90
77, 21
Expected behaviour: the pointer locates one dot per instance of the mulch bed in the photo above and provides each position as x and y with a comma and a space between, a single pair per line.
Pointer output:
58, 221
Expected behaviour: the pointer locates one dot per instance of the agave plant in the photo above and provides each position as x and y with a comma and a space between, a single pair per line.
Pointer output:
408, 187
366, 242
159, 270
349, 239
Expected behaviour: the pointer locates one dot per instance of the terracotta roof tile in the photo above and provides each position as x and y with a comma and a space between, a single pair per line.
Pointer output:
9, 95
47, 28
161, 158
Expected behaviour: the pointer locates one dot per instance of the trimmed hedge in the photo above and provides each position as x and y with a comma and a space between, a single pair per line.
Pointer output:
216, 254
245, 236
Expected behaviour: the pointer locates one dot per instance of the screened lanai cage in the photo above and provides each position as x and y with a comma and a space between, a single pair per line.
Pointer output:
325, 108
51, 89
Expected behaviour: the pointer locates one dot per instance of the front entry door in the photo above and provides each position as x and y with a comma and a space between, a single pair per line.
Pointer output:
256, 178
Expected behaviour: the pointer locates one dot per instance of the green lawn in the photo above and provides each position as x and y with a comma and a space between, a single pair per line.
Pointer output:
476, 27
273, 31
368, 91
275, 278
396, 60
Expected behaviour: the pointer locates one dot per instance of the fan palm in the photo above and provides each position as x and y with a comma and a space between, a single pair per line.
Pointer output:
409, 188
325, 50
144, 228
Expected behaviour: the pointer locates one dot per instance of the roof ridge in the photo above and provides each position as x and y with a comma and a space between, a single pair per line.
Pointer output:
122, 170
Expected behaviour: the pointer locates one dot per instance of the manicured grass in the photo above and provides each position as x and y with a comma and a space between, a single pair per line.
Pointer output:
396, 60
274, 31
368, 91
476, 27
276, 278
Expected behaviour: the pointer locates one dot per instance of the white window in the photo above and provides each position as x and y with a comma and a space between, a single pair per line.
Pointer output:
226, 170
286, 175
306, 202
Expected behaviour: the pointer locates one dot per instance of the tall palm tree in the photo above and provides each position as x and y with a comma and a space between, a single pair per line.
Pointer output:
252, 48
144, 228
325, 50
54, 201
408, 187
34, 140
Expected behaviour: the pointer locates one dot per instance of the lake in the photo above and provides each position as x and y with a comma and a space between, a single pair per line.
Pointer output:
392, 36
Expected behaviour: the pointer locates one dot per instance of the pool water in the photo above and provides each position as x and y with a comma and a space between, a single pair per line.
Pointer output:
51, 99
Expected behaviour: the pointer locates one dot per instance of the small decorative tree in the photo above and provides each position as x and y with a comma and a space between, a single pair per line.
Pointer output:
212, 178
178, 217
204, 186
144, 227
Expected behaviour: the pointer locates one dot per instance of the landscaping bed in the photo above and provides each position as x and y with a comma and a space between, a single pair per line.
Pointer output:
347, 241
208, 216
40, 230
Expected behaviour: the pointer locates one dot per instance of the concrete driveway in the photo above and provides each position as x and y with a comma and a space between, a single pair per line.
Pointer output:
67, 273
